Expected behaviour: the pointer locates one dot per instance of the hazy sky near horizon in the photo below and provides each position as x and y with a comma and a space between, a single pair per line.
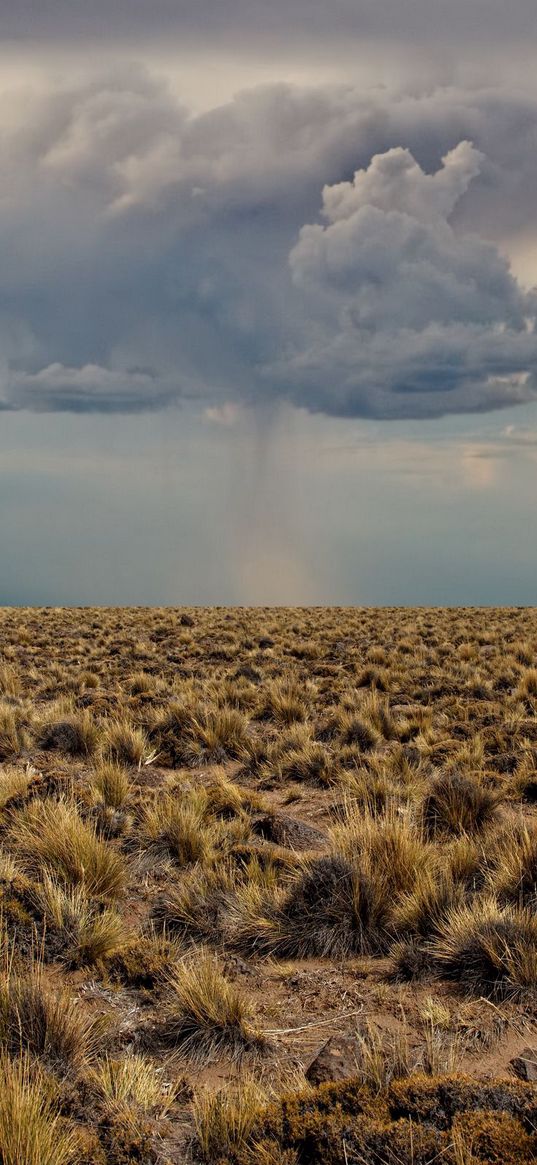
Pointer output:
267, 301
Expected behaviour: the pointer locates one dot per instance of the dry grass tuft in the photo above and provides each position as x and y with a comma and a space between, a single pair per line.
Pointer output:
13, 737
31, 1130
219, 734
332, 910
191, 732
423, 911
51, 837
10, 683
124, 744
76, 928
77, 735
111, 784
14, 784
225, 1120
133, 1082
310, 761
528, 683
283, 703
47, 1023
382, 1058
208, 1015
489, 949
458, 804
513, 865
194, 908
179, 828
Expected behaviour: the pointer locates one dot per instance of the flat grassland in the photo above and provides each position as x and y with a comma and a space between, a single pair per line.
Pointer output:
268, 886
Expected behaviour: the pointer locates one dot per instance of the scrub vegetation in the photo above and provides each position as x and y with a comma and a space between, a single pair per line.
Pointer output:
268, 886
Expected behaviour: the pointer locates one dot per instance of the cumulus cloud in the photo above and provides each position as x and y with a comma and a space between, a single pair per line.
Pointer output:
148, 255
394, 180
411, 319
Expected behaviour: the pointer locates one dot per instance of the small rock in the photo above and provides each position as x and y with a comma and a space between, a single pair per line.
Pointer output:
337, 1060
525, 1064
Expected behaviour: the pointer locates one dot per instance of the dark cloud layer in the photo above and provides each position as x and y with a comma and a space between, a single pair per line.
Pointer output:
337, 250
237, 21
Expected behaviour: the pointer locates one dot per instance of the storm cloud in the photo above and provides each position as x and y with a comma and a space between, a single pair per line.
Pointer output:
340, 251
244, 20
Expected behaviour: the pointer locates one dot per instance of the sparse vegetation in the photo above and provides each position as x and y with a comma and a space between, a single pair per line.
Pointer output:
229, 837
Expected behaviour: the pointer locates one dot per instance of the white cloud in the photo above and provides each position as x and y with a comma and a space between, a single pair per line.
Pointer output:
226, 415
411, 318
395, 181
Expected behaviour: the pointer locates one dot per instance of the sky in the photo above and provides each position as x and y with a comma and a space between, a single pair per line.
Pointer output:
267, 302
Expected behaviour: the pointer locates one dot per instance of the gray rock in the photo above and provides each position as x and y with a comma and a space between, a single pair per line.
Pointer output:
525, 1064
337, 1060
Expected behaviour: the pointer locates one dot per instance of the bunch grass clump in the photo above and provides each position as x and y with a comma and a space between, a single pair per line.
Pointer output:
490, 950
219, 734
513, 865
14, 784
283, 702
132, 1082
48, 1023
111, 784
195, 908
51, 837
309, 762
13, 735
123, 743
177, 826
77, 735
10, 682
224, 1120
77, 929
457, 804
31, 1130
208, 1015
191, 732
339, 903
